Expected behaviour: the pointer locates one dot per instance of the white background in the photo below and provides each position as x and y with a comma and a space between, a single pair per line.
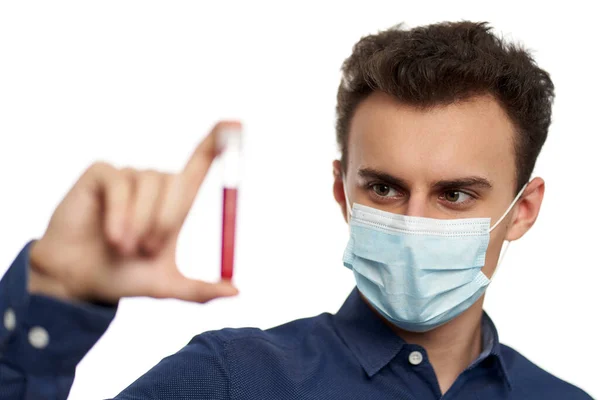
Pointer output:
140, 82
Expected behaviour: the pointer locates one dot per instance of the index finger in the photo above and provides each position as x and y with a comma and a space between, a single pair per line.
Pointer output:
202, 157
197, 167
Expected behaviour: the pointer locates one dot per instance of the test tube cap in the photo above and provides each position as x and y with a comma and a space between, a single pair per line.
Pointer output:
230, 145
230, 139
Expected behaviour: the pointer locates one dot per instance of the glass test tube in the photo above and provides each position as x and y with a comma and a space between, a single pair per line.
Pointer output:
231, 145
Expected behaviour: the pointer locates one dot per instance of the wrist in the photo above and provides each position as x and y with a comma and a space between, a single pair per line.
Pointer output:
40, 279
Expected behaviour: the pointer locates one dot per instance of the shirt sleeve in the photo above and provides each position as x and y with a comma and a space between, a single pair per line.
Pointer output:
42, 339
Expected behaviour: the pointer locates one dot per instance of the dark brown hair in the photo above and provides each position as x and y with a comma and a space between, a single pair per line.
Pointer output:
445, 63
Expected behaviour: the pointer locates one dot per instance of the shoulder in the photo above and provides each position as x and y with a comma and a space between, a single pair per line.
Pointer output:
531, 381
214, 362
285, 336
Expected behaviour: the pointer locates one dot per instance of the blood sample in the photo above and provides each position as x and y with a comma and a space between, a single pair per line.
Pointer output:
231, 146
228, 236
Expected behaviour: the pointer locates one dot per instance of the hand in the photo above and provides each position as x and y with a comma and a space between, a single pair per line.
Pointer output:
115, 233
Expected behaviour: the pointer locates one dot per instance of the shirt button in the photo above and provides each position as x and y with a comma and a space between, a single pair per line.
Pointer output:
415, 358
10, 319
38, 337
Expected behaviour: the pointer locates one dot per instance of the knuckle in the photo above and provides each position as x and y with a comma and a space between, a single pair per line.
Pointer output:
150, 182
98, 167
168, 179
128, 172
149, 177
101, 165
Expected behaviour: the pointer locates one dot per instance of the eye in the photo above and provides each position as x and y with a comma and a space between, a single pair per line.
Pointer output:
383, 190
456, 197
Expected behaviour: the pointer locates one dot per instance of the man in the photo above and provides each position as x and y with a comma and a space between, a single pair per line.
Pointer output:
439, 129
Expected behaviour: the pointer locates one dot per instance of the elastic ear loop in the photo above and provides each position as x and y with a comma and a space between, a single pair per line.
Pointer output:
517, 197
505, 249
502, 254
348, 208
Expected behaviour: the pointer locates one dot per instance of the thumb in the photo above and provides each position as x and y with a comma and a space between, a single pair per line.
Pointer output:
198, 291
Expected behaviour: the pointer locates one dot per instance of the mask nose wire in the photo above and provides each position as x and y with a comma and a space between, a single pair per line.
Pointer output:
517, 197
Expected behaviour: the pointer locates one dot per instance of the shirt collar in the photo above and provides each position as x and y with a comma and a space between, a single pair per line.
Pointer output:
492, 347
374, 344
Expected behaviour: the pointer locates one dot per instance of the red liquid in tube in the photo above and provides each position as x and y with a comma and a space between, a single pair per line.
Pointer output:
228, 234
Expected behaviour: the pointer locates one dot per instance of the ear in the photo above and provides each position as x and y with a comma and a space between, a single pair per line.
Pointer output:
338, 188
527, 209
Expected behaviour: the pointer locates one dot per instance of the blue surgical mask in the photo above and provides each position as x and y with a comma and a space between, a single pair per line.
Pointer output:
419, 273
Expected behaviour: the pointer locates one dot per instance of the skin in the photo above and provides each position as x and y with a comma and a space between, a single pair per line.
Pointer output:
411, 161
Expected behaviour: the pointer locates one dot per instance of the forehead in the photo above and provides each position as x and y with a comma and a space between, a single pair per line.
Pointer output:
473, 137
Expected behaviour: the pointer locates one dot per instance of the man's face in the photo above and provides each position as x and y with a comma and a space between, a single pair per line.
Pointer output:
447, 162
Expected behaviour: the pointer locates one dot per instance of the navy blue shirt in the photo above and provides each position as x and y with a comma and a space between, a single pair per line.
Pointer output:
349, 355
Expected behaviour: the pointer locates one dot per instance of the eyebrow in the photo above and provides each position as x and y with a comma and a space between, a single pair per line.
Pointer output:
370, 173
465, 182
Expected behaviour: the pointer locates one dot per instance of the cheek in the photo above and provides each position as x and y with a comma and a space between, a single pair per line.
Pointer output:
492, 254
